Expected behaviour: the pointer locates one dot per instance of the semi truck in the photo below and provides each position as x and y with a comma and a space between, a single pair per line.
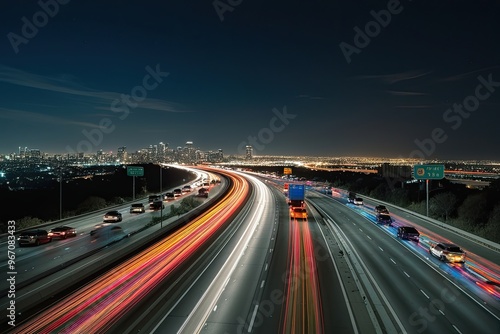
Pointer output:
296, 196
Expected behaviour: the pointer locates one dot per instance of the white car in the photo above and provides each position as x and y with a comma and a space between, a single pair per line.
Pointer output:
447, 252
358, 201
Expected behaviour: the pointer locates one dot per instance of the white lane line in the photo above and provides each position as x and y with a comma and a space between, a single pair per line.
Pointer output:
393, 261
381, 248
262, 284
424, 293
406, 274
253, 318
457, 329
368, 237
215, 308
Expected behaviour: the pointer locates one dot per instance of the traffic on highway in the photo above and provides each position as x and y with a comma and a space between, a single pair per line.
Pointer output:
266, 256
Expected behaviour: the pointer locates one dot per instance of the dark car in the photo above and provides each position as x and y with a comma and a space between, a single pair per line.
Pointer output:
62, 232
186, 189
108, 232
157, 205
137, 208
33, 237
203, 192
177, 192
169, 196
112, 216
408, 233
447, 252
381, 209
153, 198
384, 218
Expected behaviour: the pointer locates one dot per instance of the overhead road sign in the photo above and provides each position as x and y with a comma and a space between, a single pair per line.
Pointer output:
135, 171
428, 172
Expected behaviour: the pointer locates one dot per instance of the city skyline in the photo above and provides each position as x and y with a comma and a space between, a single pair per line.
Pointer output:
248, 154
322, 79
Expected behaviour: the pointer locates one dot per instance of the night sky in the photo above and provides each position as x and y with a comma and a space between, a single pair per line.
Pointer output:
320, 77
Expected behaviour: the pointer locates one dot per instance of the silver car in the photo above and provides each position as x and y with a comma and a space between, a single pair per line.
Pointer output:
447, 252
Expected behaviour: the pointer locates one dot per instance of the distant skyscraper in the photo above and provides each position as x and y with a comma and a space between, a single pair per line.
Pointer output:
249, 152
23, 152
122, 154
100, 156
35, 153
161, 152
189, 154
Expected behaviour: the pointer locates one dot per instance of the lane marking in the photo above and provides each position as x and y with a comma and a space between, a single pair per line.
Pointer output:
424, 294
253, 318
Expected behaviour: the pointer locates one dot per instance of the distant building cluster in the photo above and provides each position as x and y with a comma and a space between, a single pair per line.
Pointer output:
155, 153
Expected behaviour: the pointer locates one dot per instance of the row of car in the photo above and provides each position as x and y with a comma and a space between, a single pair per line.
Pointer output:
40, 236
444, 251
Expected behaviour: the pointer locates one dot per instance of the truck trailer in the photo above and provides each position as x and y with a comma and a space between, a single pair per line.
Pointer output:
296, 196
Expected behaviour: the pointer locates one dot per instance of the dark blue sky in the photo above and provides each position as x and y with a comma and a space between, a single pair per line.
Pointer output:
72, 76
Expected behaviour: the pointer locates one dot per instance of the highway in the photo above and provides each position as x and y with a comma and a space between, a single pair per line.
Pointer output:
33, 262
264, 279
99, 305
246, 267
418, 292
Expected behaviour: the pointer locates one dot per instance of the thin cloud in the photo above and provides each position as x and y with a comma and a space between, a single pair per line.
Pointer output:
305, 96
402, 93
395, 77
467, 74
29, 116
415, 107
68, 86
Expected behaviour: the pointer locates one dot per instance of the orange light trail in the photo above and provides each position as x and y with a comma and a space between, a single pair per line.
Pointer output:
101, 303
303, 310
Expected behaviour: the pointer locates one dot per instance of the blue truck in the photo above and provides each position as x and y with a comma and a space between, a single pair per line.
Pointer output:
296, 195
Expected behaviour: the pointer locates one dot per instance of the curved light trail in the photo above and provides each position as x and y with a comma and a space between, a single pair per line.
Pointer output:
97, 306
303, 310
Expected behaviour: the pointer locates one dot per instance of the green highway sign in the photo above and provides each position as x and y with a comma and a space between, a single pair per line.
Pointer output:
135, 171
428, 172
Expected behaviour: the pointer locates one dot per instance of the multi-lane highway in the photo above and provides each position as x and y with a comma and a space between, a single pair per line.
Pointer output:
245, 267
417, 292
99, 305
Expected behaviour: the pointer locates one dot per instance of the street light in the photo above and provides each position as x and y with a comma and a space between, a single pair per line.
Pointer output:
161, 214
60, 192
161, 181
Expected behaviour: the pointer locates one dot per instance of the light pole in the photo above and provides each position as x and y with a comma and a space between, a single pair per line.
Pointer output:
161, 196
60, 192
427, 195
161, 183
161, 215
